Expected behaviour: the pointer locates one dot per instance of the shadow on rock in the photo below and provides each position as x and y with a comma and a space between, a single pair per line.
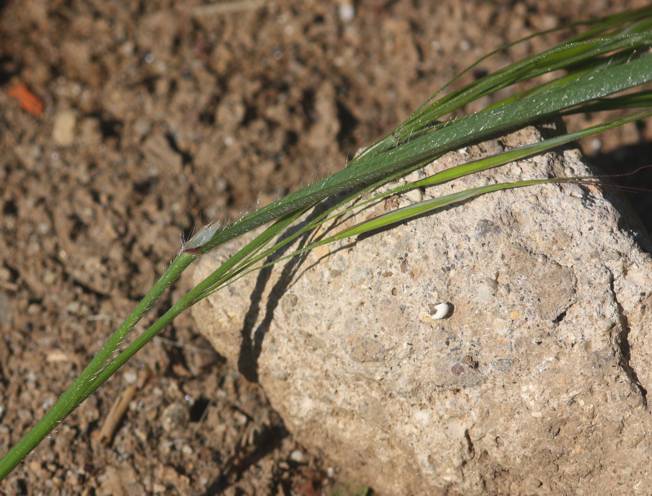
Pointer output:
626, 160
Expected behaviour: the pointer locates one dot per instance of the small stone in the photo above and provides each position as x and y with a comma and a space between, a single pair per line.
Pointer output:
63, 132
5, 309
298, 456
174, 416
415, 195
73, 307
441, 311
346, 11
49, 277
57, 356
130, 377
240, 418
90, 131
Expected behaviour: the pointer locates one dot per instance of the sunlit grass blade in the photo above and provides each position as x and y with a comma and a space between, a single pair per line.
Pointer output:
406, 214
540, 104
506, 157
597, 27
345, 207
394, 217
425, 207
74, 395
641, 99
564, 56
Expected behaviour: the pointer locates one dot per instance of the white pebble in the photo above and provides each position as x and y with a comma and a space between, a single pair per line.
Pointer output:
442, 311
297, 456
130, 377
346, 11
596, 145
415, 195
63, 131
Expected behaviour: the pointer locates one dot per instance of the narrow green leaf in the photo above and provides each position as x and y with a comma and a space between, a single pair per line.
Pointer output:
538, 105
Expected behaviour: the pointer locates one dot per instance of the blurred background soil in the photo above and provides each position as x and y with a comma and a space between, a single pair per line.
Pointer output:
125, 124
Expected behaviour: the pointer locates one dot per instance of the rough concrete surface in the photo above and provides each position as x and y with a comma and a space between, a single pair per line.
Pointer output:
535, 384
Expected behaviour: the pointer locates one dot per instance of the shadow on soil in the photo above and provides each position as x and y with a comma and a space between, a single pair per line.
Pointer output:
239, 463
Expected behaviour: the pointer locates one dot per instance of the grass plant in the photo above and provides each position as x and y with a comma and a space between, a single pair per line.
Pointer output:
603, 68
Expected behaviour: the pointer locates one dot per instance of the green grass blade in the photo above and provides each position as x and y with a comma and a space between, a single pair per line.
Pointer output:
438, 178
598, 27
421, 208
73, 396
391, 218
641, 99
564, 56
410, 212
503, 158
552, 98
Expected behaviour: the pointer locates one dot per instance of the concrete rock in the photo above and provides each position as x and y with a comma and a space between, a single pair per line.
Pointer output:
534, 384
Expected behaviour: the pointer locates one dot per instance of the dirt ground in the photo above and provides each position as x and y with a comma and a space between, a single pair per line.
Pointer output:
143, 120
